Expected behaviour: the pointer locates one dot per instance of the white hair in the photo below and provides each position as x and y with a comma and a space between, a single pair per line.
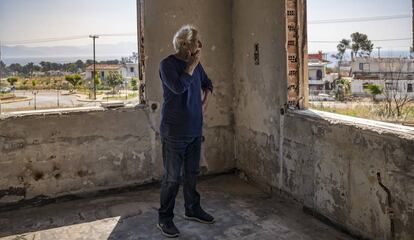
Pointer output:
184, 35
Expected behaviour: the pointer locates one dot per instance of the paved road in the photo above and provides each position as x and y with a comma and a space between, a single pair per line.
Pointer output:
45, 99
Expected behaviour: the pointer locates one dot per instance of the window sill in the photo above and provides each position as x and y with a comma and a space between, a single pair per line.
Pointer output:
66, 111
360, 123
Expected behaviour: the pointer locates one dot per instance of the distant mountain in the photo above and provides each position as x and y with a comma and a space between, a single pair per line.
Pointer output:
384, 54
21, 51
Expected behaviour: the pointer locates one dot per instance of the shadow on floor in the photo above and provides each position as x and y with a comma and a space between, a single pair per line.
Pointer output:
241, 212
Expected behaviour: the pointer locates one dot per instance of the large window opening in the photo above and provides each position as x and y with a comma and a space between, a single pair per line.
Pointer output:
60, 54
360, 58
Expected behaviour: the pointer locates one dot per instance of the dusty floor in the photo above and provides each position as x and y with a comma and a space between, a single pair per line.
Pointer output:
241, 211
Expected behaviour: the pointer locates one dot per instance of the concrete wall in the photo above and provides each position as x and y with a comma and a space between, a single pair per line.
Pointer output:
260, 89
214, 22
329, 165
330, 168
56, 155
70, 153
46, 156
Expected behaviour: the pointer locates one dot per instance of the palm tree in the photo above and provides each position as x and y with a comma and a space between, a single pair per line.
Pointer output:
343, 45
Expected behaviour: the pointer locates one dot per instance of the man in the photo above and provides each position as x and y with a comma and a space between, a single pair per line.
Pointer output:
186, 92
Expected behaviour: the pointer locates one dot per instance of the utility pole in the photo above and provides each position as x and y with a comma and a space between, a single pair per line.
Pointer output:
379, 50
412, 47
94, 63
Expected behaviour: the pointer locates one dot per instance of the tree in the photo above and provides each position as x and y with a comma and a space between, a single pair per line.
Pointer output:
28, 69
114, 79
15, 67
12, 80
74, 80
134, 57
46, 66
374, 90
343, 45
134, 84
80, 65
361, 45
396, 99
3, 69
25, 83
71, 67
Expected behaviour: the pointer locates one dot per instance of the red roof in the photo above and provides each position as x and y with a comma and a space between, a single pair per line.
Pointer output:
316, 56
100, 67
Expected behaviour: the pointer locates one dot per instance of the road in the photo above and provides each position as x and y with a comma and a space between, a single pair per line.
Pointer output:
44, 99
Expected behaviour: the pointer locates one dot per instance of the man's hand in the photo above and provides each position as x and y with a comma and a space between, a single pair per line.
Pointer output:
193, 60
206, 95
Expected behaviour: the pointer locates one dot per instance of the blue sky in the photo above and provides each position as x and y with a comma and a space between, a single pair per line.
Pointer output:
40, 19
339, 9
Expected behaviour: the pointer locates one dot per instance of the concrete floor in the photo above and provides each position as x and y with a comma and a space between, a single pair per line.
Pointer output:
241, 211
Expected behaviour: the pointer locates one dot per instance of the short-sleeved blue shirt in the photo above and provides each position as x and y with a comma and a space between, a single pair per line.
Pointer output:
182, 113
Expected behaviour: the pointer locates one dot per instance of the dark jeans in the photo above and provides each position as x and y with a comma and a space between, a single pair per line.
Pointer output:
181, 157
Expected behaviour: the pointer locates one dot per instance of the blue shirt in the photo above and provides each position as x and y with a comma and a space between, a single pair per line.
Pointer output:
182, 113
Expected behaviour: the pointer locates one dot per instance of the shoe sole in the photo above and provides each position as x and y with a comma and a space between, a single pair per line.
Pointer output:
166, 234
198, 220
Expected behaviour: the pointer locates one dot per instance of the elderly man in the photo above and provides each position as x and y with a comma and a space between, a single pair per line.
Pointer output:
186, 92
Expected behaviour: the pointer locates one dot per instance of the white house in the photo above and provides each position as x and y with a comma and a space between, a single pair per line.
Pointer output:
130, 70
318, 79
390, 73
317, 75
127, 70
103, 70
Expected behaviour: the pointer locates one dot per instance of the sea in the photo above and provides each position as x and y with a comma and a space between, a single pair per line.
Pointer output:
69, 59
64, 59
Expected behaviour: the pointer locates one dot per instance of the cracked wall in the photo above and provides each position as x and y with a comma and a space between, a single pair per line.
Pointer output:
61, 154
214, 22
73, 153
330, 168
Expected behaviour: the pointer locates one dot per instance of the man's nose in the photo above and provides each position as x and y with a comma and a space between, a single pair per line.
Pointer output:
200, 45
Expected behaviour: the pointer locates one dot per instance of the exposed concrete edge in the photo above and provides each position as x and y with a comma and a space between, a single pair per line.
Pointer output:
43, 200
360, 123
65, 111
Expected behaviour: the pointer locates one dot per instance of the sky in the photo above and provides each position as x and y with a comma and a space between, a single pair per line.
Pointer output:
42, 19
340, 9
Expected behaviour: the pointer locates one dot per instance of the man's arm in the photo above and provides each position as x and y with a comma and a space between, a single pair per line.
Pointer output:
206, 95
207, 87
176, 83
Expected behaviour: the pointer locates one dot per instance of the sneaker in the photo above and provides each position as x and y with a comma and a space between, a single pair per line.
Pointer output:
200, 216
168, 229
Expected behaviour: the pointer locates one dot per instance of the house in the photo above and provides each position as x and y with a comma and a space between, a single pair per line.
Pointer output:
319, 80
395, 73
103, 70
130, 70
127, 70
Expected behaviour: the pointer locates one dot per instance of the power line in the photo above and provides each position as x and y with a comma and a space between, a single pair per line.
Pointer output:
377, 40
360, 19
60, 39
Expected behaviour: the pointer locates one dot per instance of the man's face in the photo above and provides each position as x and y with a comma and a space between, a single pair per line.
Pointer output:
195, 45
